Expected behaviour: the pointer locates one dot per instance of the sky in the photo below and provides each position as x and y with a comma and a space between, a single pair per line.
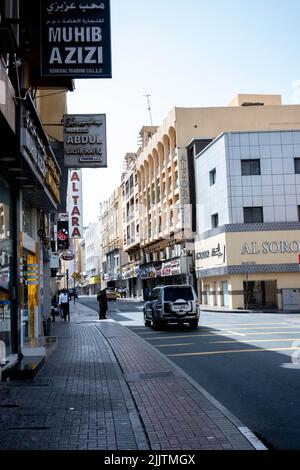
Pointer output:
187, 53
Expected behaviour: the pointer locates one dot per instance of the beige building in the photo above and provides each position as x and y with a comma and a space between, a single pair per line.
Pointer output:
113, 255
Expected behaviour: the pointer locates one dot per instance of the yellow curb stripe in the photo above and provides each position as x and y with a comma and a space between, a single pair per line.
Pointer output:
207, 353
223, 334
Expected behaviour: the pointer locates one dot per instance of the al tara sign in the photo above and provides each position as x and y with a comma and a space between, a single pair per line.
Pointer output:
85, 140
75, 39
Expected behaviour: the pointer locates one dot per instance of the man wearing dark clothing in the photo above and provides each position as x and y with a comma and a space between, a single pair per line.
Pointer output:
102, 299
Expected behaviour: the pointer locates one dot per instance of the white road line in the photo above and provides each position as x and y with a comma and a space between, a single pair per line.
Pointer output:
116, 310
235, 333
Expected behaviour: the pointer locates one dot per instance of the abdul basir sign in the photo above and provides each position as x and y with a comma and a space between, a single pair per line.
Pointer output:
85, 140
75, 39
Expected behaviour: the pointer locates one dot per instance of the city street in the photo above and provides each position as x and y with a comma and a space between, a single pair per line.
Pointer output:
243, 360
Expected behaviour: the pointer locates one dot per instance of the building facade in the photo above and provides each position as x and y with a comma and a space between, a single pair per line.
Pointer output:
248, 220
113, 255
93, 258
31, 182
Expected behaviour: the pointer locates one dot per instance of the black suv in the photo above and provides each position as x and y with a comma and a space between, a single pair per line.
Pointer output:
172, 304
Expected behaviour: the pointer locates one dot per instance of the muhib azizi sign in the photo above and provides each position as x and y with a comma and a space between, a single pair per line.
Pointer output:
75, 39
85, 141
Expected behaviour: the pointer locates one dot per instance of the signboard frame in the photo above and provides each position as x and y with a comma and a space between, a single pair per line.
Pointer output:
85, 141
75, 39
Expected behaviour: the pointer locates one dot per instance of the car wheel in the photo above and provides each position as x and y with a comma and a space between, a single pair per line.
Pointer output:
146, 321
194, 324
156, 323
115, 299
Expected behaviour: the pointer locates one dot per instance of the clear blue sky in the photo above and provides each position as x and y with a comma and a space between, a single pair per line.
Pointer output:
185, 53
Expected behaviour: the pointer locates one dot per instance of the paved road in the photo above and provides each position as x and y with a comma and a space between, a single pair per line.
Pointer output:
127, 312
243, 360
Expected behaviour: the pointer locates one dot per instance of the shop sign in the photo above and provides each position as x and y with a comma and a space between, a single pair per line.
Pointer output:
67, 256
62, 235
85, 141
75, 39
273, 247
54, 260
33, 140
52, 176
75, 204
217, 251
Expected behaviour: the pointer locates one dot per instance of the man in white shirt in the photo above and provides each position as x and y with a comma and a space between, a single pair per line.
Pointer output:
63, 302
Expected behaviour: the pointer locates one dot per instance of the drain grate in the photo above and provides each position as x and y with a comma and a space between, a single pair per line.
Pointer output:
156, 375
9, 405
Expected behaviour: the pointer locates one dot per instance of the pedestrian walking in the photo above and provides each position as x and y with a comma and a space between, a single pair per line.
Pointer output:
64, 304
102, 299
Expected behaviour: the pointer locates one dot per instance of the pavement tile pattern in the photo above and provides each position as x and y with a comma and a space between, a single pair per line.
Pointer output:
77, 400
176, 416
105, 388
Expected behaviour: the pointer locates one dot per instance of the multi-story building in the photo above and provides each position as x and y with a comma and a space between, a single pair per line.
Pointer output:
113, 255
31, 181
165, 166
131, 228
248, 220
93, 258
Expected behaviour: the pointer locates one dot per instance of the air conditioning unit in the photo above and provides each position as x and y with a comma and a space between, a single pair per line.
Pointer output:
183, 252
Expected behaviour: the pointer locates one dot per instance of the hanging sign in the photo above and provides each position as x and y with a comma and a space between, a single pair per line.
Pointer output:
85, 140
62, 235
75, 203
75, 39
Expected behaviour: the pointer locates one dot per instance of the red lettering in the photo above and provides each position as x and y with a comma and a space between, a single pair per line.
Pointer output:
75, 176
75, 222
76, 233
75, 199
74, 189
75, 211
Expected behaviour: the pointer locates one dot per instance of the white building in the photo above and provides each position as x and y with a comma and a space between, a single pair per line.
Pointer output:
248, 206
93, 257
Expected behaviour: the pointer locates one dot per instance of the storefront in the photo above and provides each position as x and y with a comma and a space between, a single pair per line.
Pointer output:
173, 271
250, 270
6, 263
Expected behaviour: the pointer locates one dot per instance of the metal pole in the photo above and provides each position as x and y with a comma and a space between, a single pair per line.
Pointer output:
74, 288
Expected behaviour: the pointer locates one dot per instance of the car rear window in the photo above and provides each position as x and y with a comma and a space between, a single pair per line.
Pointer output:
172, 294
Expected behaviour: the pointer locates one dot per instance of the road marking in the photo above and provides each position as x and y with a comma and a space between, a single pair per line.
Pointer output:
234, 333
246, 324
172, 345
116, 310
262, 328
233, 351
177, 336
222, 334
256, 340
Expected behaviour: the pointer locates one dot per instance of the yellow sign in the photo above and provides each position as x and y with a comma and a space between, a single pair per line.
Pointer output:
75, 275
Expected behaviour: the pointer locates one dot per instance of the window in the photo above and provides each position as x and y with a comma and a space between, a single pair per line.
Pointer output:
212, 177
171, 294
250, 167
214, 220
253, 214
297, 165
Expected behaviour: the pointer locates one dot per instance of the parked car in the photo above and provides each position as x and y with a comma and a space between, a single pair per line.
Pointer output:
111, 294
172, 304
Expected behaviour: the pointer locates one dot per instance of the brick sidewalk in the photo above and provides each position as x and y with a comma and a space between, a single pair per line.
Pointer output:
106, 388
